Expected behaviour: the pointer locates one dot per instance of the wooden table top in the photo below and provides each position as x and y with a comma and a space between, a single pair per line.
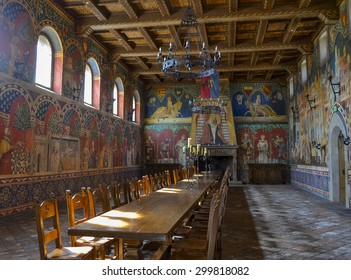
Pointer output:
153, 217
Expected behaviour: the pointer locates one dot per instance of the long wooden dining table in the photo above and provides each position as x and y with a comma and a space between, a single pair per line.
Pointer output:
153, 217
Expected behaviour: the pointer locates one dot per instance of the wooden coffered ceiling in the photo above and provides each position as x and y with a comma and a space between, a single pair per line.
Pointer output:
259, 40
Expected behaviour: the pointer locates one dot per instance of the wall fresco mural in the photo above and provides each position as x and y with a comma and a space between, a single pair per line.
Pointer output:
164, 143
261, 101
46, 136
261, 143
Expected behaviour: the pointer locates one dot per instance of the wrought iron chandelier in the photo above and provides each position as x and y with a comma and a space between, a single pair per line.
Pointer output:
189, 63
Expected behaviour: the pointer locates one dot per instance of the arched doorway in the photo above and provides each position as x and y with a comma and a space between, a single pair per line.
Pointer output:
338, 161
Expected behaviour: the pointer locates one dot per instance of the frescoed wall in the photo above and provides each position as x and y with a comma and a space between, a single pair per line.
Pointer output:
260, 114
49, 141
168, 123
316, 169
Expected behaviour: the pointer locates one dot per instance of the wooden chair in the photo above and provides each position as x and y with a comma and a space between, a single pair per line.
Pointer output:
47, 212
185, 173
78, 212
176, 177
132, 189
97, 200
158, 181
112, 197
189, 248
142, 188
168, 178
152, 183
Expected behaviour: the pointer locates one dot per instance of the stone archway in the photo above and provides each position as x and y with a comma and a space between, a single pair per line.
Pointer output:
337, 124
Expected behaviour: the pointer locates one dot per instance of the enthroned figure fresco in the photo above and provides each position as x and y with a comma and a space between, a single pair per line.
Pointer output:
213, 124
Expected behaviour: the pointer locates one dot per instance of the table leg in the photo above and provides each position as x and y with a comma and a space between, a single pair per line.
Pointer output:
120, 249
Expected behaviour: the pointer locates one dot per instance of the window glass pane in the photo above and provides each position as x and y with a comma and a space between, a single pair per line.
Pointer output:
115, 100
323, 48
88, 86
304, 71
44, 62
291, 86
133, 109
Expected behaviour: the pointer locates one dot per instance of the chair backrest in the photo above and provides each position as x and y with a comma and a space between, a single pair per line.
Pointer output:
163, 180
142, 187
168, 177
213, 226
112, 199
97, 200
132, 189
77, 210
152, 183
147, 184
47, 212
122, 192
158, 181
176, 177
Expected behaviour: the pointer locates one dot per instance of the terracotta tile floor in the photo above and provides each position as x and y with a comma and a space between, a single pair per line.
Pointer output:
261, 222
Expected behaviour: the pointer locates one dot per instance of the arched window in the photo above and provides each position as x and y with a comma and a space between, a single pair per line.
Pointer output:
88, 85
115, 100
119, 103
43, 73
49, 60
304, 71
133, 108
92, 84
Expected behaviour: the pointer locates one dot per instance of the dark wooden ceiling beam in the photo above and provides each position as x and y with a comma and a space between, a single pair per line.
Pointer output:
268, 4
142, 63
128, 9
148, 38
236, 68
197, 6
162, 6
324, 11
261, 32
175, 37
123, 38
233, 5
302, 46
304, 3
291, 29
99, 12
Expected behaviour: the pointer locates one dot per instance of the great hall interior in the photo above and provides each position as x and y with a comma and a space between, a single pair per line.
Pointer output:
103, 92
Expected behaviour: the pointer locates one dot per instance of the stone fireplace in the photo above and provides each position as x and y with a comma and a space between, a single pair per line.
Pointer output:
222, 156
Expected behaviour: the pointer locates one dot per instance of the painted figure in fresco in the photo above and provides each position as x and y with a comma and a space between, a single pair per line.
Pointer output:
92, 157
165, 148
86, 156
55, 158
169, 111
103, 158
149, 146
281, 147
68, 159
179, 147
257, 109
246, 145
262, 147
213, 133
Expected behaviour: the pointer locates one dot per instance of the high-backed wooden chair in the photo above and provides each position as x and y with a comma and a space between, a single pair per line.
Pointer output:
168, 177
189, 248
176, 177
158, 181
78, 212
112, 199
132, 189
152, 183
97, 200
47, 213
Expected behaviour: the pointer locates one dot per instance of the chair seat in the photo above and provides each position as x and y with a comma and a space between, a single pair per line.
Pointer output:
71, 253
